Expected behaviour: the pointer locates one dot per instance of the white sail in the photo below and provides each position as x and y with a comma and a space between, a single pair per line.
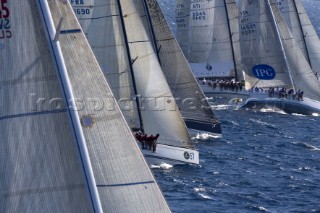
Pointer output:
161, 114
102, 26
182, 25
260, 44
267, 40
311, 38
158, 109
302, 75
203, 27
290, 14
41, 167
183, 84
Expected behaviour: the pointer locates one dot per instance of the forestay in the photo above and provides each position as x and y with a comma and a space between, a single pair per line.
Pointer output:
191, 100
41, 169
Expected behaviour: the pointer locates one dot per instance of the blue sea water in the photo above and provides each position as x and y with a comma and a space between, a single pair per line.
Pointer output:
265, 162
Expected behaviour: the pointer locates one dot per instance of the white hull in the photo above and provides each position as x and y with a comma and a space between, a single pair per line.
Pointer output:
171, 154
258, 100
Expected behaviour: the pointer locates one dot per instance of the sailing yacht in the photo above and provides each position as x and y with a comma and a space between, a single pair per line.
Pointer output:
60, 150
261, 58
208, 33
272, 58
118, 36
303, 32
192, 102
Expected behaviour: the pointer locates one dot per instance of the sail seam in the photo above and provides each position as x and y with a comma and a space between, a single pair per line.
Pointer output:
44, 190
31, 113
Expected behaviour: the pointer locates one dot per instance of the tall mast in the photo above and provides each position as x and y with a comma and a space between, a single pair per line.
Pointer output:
231, 39
72, 111
130, 64
155, 43
281, 44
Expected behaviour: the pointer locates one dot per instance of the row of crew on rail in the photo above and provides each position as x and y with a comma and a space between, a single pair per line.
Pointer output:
223, 84
147, 141
285, 93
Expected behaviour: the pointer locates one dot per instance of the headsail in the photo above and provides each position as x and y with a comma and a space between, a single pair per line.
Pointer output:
289, 12
302, 30
302, 74
191, 101
267, 41
41, 169
204, 33
129, 37
260, 44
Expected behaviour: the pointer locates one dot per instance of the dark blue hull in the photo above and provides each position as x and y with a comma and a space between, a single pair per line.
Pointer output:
204, 126
286, 106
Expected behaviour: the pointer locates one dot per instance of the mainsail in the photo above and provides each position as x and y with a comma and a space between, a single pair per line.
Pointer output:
260, 44
41, 165
266, 39
191, 101
302, 30
123, 39
208, 35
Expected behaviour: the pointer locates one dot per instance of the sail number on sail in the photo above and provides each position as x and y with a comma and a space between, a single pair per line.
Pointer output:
82, 7
5, 25
181, 18
246, 27
280, 5
199, 15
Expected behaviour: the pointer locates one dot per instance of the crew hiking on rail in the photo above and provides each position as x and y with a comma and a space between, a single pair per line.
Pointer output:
147, 141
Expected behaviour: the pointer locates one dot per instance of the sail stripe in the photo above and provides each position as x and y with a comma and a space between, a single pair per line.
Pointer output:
31, 113
70, 31
127, 184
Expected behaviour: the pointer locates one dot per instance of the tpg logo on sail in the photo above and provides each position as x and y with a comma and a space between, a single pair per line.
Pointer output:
264, 72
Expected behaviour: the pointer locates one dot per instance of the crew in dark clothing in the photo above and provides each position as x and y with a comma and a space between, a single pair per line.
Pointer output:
154, 143
150, 141
140, 137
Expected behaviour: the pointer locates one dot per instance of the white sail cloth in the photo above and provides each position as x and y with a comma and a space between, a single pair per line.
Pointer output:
158, 108
41, 168
205, 36
265, 38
